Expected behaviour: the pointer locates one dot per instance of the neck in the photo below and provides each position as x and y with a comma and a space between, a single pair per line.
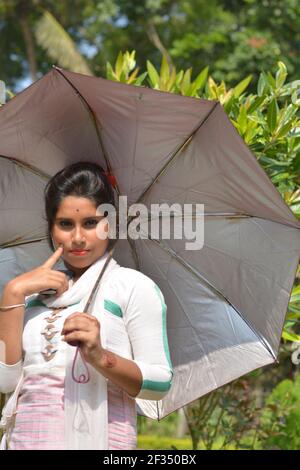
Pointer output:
77, 271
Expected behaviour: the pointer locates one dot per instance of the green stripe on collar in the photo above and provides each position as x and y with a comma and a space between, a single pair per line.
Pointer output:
35, 303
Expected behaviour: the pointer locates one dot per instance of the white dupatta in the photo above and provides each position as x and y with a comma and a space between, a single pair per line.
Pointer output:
86, 415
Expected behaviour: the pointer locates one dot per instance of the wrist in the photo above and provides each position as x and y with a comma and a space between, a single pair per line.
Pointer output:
14, 290
103, 359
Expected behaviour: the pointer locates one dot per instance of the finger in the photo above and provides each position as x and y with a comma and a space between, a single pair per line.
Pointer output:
75, 337
82, 324
83, 315
50, 262
60, 285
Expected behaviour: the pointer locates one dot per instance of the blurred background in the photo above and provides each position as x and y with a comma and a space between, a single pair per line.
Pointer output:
234, 37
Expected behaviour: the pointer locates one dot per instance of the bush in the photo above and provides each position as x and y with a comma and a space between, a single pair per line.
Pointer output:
282, 416
163, 443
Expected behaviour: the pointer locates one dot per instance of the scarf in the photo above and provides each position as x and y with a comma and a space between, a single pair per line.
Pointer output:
86, 414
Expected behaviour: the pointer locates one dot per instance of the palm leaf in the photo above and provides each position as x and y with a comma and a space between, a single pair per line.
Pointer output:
52, 37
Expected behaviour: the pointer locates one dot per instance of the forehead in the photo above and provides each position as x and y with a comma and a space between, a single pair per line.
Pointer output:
72, 206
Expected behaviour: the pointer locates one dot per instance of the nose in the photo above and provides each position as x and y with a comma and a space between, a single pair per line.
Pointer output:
78, 237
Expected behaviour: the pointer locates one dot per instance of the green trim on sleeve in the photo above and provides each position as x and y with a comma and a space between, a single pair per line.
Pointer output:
164, 322
156, 386
112, 307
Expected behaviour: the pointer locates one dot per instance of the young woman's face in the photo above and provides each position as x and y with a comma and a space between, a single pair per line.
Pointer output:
75, 226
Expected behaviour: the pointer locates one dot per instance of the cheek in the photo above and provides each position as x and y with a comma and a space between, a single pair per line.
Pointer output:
60, 235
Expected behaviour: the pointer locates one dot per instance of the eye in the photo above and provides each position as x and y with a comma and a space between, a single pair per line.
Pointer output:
91, 223
64, 223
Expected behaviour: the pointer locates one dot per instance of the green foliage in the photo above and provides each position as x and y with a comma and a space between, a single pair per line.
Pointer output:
235, 38
159, 442
4, 93
124, 70
280, 421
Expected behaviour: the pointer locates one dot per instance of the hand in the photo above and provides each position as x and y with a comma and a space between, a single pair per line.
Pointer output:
83, 330
41, 278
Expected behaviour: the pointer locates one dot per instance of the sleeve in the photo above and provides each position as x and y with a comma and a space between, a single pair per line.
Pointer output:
10, 376
145, 318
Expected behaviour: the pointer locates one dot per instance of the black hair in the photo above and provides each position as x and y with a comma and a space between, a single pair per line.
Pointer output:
82, 179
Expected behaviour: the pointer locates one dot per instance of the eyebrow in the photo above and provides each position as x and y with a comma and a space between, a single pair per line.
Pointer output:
85, 218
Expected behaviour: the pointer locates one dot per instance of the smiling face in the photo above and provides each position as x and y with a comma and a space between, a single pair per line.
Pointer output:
75, 226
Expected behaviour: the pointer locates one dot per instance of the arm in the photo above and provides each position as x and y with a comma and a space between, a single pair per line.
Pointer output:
123, 372
145, 318
11, 330
11, 325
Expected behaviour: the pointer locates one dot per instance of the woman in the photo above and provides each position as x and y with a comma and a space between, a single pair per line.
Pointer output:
123, 344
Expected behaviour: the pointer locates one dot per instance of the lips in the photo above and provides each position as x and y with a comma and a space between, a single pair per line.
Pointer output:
79, 252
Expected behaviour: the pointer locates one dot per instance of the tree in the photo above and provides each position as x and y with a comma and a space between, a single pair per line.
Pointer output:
234, 37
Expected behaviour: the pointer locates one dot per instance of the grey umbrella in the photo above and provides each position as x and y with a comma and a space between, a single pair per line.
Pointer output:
226, 302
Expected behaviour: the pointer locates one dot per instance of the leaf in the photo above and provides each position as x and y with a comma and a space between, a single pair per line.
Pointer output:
255, 104
119, 65
186, 82
296, 209
164, 69
2, 92
262, 84
290, 336
212, 88
179, 77
281, 74
200, 80
140, 79
109, 72
283, 131
153, 75
52, 37
272, 115
271, 161
132, 77
271, 80
294, 97
242, 119
280, 177
172, 80
240, 87
295, 295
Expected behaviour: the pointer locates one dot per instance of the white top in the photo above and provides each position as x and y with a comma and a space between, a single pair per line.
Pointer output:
135, 328
130, 298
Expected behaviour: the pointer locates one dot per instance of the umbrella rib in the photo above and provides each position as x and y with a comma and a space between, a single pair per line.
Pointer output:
135, 254
27, 166
177, 152
200, 277
21, 242
94, 121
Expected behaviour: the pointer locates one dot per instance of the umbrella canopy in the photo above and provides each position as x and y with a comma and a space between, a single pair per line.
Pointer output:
227, 301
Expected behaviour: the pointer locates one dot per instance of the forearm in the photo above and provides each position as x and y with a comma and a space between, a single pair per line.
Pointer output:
122, 372
11, 326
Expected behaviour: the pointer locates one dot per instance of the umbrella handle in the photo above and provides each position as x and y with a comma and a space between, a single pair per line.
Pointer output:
83, 379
